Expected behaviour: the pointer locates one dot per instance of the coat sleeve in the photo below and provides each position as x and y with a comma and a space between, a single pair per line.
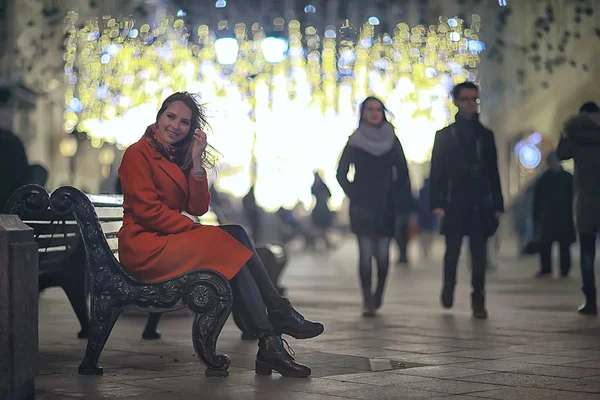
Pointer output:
438, 179
342, 172
564, 150
199, 198
141, 196
495, 186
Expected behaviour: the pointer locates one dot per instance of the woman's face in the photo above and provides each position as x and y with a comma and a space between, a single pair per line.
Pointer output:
175, 123
372, 113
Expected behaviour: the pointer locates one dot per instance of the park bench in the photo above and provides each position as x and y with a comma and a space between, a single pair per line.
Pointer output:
205, 292
59, 235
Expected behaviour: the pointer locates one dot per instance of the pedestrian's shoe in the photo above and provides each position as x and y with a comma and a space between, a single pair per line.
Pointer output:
479, 312
543, 274
368, 303
286, 320
447, 296
590, 306
378, 296
478, 304
273, 356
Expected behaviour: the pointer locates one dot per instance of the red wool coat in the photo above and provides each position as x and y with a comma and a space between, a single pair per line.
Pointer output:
156, 241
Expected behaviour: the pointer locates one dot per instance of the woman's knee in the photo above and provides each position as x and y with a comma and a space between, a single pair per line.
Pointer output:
238, 232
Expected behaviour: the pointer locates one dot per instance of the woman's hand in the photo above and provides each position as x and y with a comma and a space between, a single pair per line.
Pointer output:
199, 147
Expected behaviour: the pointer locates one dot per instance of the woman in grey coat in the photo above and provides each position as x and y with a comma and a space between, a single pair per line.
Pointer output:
581, 142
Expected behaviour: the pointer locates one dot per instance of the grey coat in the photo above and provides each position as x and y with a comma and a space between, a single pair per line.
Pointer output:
581, 142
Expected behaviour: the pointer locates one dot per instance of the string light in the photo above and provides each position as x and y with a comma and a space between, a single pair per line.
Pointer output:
118, 74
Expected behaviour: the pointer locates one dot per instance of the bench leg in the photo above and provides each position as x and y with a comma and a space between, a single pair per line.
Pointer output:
212, 305
102, 320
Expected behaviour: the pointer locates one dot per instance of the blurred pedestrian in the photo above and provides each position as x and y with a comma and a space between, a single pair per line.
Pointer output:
379, 187
581, 142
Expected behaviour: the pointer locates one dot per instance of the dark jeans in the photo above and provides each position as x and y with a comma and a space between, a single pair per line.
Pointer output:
367, 249
546, 258
587, 246
252, 285
478, 246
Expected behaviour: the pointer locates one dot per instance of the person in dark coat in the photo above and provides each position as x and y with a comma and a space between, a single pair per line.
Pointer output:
466, 192
581, 142
14, 167
378, 190
553, 216
321, 215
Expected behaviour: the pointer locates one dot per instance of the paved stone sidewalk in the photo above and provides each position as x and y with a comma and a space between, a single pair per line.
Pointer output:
533, 346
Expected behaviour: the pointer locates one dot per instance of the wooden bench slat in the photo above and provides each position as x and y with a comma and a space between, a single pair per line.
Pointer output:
109, 213
106, 200
111, 227
58, 240
113, 243
47, 228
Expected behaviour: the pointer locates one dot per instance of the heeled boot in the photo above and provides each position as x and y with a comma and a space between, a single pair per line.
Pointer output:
286, 320
272, 355
368, 302
478, 305
378, 296
590, 306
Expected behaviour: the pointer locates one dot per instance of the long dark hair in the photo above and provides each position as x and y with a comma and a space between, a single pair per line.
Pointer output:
383, 107
198, 121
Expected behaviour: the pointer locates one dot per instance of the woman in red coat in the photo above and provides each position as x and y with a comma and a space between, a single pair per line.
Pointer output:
162, 175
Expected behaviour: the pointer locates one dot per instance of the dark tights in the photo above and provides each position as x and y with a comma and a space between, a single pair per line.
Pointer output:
369, 248
252, 286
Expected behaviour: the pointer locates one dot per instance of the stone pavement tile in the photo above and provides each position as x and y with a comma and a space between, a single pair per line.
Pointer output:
583, 353
546, 359
372, 353
530, 368
586, 364
423, 348
378, 378
433, 359
443, 371
449, 386
391, 392
474, 344
534, 394
41, 395
454, 397
491, 354
544, 382
91, 386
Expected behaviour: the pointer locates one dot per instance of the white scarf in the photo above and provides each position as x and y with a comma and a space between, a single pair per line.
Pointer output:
375, 140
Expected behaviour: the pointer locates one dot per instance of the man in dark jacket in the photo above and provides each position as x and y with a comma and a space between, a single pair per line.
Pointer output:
553, 216
466, 192
581, 142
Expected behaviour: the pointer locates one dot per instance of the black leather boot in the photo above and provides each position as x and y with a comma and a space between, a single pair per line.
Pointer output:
378, 296
447, 295
368, 302
590, 306
286, 320
478, 306
272, 355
